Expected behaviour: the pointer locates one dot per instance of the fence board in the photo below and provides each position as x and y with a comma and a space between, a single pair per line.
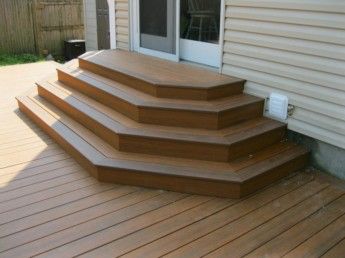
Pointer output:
16, 27
31, 26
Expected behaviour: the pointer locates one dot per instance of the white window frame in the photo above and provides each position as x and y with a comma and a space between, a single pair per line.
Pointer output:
112, 25
134, 33
135, 37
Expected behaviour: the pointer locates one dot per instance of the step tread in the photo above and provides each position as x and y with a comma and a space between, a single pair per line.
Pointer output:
102, 154
157, 71
138, 98
120, 124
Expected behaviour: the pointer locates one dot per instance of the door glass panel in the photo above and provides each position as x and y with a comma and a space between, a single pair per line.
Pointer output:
200, 20
153, 17
158, 25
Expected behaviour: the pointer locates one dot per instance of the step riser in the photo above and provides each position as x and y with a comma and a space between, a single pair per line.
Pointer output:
240, 114
103, 97
84, 162
138, 178
155, 146
187, 184
164, 92
177, 149
256, 143
197, 186
200, 151
97, 128
275, 174
196, 94
119, 77
78, 112
140, 144
180, 118
142, 114
202, 120
171, 183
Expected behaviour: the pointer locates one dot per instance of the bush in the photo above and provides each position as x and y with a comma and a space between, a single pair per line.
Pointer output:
11, 59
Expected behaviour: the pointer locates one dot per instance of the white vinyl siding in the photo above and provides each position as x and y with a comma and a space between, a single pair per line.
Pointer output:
122, 24
296, 48
90, 25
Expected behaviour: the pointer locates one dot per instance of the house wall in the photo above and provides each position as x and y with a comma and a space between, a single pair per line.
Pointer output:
325, 157
122, 24
90, 25
296, 48
293, 47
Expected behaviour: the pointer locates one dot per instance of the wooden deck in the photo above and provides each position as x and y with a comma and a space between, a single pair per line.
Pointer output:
210, 140
51, 207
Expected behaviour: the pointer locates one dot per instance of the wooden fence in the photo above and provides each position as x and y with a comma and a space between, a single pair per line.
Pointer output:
32, 26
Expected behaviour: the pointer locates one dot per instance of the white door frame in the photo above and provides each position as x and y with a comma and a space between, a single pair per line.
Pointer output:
112, 25
134, 32
221, 34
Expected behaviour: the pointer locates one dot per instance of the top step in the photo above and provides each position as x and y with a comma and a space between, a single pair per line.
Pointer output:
160, 78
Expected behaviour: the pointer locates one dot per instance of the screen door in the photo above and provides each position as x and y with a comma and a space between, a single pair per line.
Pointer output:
157, 24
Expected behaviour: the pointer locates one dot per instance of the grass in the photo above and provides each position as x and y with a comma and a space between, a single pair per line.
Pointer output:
11, 59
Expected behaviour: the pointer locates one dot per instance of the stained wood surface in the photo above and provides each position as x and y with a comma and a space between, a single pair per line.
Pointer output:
178, 174
160, 78
129, 135
144, 108
101, 108
158, 71
52, 207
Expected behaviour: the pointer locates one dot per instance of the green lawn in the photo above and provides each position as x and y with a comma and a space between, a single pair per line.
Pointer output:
11, 59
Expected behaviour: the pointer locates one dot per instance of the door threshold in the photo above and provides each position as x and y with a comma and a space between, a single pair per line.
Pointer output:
208, 67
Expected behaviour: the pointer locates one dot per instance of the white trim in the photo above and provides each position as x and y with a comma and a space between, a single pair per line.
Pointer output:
206, 53
178, 6
135, 34
221, 35
130, 24
90, 33
134, 30
194, 51
112, 25
158, 54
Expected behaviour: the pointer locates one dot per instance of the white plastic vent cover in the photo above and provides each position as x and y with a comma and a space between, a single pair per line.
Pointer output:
278, 106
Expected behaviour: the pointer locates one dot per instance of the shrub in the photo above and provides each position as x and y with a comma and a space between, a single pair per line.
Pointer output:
10, 59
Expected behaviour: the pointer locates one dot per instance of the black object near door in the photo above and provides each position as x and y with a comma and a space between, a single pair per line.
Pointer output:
74, 48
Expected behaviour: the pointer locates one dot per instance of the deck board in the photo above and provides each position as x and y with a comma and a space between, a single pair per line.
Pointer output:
322, 241
157, 70
260, 235
335, 251
50, 206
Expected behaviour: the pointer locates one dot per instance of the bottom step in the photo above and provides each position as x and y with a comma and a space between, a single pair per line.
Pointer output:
235, 179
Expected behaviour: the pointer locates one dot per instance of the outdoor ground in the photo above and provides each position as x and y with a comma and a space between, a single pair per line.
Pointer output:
50, 206
12, 59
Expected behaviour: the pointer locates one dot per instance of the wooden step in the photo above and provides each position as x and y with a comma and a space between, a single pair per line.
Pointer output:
160, 78
143, 108
127, 135
235, 179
